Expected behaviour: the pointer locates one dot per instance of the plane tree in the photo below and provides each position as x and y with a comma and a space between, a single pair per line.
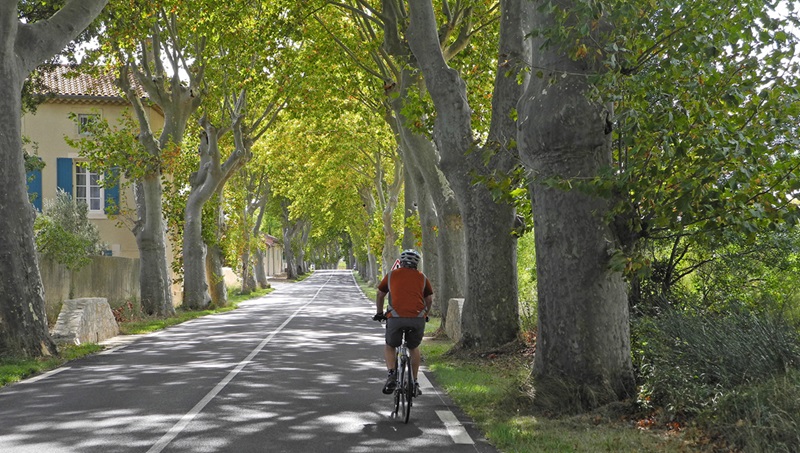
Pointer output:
468, 151
377, 47
641, 123
158, 54
23, 46
321, 165
250, 84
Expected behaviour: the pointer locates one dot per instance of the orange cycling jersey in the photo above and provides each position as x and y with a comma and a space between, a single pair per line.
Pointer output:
408, 290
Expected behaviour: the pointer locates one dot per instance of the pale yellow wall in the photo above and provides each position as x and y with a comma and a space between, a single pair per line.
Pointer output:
47, 129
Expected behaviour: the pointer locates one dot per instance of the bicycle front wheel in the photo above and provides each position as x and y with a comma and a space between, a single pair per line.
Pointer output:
407, 390
397, 391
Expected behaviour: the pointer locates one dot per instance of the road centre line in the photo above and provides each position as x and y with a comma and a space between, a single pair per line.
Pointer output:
176, 429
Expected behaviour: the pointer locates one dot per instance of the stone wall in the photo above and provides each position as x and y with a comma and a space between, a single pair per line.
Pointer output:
111, 277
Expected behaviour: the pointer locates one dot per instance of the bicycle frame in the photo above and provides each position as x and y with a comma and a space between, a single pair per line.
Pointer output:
404, 392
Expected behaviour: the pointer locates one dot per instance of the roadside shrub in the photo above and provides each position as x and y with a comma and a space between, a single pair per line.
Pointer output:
688, 361
758, 418
63, 232
128, 311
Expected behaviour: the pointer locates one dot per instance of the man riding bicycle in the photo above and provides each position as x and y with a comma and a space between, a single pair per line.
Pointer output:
411, 296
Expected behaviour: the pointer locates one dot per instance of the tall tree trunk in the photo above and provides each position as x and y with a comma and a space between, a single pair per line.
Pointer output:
432, 264
445, 232
289, 230
301, 249
260, 274
491, 314
371, 265
390, 202
205, 183
152, 241
248, 282
216, 288
260, 270
372, 269
23, 323
410, 204
583, 335
195, 286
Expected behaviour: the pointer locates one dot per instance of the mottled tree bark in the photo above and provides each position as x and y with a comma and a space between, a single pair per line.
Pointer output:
151, 238
23, 323
564, 132
410, 207
217, 288
207, 181
261, 275
491, 316
443, 234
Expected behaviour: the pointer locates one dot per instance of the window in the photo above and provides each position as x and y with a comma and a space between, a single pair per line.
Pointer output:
85, 120
88, 189
75, 178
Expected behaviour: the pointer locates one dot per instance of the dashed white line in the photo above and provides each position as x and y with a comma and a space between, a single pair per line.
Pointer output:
454, 428
424, 383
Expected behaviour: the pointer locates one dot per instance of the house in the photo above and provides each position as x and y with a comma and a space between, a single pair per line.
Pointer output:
274, 263
86, 97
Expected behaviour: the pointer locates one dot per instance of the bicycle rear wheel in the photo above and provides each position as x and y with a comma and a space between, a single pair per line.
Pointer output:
408, 390
397, 390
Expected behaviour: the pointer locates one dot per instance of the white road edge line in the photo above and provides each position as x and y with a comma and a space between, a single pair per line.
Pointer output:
423, 380
44, 375
455, 428
176, 429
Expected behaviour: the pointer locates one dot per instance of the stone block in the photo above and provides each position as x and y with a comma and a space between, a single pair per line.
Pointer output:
452, 325
85, 320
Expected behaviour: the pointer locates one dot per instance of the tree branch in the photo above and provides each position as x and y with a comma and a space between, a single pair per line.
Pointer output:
39, 41
347, 50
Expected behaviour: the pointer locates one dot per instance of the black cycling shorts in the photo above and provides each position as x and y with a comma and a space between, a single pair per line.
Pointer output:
394, 336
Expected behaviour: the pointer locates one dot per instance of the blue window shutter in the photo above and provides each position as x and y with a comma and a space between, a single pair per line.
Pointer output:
64, 174
112, 192
34, 179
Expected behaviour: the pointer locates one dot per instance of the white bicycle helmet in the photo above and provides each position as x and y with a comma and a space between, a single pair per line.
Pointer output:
410, 257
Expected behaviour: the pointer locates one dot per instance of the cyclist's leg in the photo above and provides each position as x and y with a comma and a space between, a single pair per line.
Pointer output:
416, 358
390, 356
393, 339
414, 339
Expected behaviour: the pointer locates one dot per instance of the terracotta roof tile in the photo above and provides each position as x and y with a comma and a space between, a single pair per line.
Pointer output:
65, 81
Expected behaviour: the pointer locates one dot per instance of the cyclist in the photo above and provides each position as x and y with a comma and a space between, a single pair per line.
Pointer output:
411, 296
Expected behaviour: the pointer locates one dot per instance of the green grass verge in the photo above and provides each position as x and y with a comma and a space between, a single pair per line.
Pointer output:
492, 392
153, 324
15, 370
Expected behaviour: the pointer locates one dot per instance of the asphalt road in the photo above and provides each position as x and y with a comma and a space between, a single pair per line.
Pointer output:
298, 370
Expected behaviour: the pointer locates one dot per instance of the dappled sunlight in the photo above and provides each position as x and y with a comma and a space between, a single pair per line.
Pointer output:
247, 380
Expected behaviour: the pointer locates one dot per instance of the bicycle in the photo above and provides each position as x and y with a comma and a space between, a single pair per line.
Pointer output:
405, 391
